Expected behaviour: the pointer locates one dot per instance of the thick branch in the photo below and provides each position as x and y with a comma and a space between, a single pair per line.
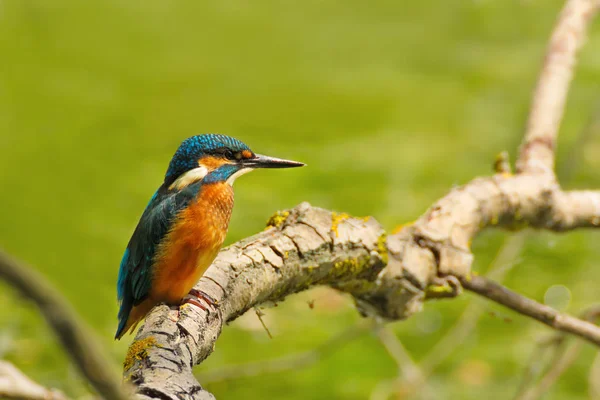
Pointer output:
76, 339
315, 247
547, 108
309, 247
440, 239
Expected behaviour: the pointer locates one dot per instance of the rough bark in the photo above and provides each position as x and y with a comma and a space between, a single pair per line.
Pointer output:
389, 277
311, 246
307, 247
547, 108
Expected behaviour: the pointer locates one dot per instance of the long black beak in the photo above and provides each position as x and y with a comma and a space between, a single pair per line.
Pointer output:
261, 161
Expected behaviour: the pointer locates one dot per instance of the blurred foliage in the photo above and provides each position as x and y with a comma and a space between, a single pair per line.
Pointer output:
389, 103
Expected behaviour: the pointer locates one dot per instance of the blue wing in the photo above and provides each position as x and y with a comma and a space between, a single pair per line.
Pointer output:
135, 272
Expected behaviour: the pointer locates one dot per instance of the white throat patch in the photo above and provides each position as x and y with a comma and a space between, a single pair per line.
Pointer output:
239, 173
191, 176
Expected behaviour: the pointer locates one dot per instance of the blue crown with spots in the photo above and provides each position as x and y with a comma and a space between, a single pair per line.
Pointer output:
192, 149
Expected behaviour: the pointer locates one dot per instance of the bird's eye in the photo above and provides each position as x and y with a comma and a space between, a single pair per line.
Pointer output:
225, 152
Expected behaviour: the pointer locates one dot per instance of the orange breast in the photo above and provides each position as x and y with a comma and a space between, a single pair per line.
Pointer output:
192, 244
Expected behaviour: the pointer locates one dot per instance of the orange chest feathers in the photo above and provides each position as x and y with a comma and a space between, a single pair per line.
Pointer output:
192, 243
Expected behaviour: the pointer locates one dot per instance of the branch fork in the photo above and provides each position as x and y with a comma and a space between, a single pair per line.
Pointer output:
389, 276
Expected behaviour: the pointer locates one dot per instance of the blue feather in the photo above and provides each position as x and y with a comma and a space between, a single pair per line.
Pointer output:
191, 149
221, 174
136, 270
122, 275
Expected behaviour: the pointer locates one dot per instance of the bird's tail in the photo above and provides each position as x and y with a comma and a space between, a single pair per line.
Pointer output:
130, 316
124, 312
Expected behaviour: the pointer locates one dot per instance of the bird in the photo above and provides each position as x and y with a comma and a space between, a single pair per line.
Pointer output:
184, 225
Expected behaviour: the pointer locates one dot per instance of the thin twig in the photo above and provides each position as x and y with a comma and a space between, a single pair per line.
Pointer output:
565, 355
386, 283
568, 167
547, 315
408, 370
406, 365
76, 339
504, 261
259, 315
289, 362
594, 379
537, 361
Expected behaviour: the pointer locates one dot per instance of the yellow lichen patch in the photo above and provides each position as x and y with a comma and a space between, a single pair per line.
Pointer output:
401, 226
336, 219
138, 351
357, 286
350, 265
442, 288
382, 248
438, 290
278, 219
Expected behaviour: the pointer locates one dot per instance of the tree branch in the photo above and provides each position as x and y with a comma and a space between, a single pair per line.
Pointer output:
547, 108
315, 247
465, 325
544, 314
78, 341
593, 381
388, 279
288, 362
15, 385
563, 358
301, 252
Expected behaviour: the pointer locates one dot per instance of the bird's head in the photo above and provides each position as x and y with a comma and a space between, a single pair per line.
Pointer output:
216, 158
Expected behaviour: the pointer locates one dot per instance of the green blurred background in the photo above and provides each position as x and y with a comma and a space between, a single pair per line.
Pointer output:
390, 103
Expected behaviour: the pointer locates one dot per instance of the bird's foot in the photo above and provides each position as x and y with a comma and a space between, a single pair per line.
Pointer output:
189, 300
195, 296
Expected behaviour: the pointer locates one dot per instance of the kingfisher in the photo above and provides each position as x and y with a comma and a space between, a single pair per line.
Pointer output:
184, 225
